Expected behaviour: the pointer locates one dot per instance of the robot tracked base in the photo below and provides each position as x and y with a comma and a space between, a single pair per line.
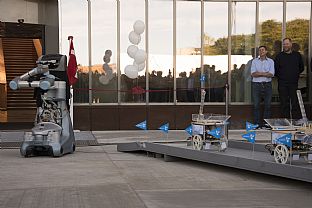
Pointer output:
47, 138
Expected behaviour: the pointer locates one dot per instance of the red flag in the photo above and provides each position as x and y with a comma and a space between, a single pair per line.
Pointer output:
72, 63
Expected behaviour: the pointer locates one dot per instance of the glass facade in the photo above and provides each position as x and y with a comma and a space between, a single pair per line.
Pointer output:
242, 48
270, 33
297, 27
104, 51
215, 50
186, 44
188, 39
131, 90
69, 27
160, 62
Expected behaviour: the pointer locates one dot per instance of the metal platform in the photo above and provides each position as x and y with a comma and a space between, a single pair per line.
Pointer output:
238, 155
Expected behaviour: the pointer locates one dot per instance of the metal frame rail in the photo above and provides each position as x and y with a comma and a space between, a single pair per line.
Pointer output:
261, 162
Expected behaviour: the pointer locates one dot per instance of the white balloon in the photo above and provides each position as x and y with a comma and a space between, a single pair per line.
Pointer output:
106, 67
132, 50
131, 71
104, 79
106, 59
108, 53
139, 27
134, 38
140, 57
141, 66
108, 71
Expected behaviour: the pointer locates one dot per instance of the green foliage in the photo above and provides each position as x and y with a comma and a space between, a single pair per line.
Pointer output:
298, 31
270, 36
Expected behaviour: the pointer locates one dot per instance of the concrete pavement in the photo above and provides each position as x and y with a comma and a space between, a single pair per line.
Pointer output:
99, 176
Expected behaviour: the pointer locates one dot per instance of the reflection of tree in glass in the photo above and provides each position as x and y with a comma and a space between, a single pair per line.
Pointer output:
80, 88
271, 31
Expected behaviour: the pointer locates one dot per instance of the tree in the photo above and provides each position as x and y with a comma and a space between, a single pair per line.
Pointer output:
298, 31
270, 36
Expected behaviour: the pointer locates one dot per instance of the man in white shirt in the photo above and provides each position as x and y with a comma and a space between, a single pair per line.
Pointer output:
262, 71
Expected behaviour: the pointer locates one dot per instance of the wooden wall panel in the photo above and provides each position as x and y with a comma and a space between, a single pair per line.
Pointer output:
184, 115
239, 116
82, 118
129, 116
159, 115
105, 118
179, 117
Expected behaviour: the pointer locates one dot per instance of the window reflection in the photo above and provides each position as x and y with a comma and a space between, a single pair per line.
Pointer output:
79, 31
243, 48
188, 51
271, 33
215, 50
297, 28
132, 90
104, 53
160, 57
188, 72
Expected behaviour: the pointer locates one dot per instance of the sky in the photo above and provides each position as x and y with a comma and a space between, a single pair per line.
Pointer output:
73, 21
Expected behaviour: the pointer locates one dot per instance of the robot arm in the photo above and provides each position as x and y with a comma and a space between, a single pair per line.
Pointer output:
23, 80
40, 69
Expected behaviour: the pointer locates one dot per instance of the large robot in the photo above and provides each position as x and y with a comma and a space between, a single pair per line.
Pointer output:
53, 133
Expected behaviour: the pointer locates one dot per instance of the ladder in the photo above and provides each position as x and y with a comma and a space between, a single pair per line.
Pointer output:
302, 109
202, 101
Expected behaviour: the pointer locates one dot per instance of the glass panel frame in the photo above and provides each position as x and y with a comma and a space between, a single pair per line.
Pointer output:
270, 34
80, 41
297, 28
215, 51
161, 77
131, 90
242, 50
104, 51
188, 51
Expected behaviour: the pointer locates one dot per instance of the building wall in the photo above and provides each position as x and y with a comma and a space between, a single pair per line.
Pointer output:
48, 16
125, 117
43, 12
111, 101
12, 10
184, 41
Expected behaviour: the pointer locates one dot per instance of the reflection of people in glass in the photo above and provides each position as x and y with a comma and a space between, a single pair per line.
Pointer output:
190, 88
219, 86
288, 65
277, 48
181, 87
262, 71
152, 86
295, 47
236, 80
169, 86
160, 95
240, 84
196, 87
247, 77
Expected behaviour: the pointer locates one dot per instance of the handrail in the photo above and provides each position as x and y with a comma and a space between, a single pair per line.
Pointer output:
3, 84
38, 47
2, 65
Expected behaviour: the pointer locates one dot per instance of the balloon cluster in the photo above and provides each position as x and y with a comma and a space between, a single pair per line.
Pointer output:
134, 52
104, 79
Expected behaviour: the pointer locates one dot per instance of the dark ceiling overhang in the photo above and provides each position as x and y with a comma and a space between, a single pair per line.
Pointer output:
21, 30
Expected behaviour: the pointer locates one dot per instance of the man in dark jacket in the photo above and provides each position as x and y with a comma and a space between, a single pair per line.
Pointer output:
288, 66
